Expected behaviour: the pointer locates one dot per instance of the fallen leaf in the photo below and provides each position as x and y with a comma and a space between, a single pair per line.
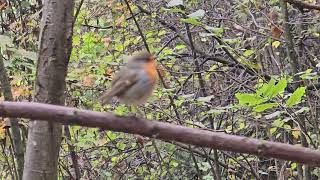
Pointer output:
88, 81
3, 6
296, 133
106, 41
20, 91
101, 142
109, 73
276, 32
2, 130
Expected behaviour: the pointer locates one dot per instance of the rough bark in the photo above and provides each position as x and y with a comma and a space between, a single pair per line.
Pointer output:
55, 46
160, 130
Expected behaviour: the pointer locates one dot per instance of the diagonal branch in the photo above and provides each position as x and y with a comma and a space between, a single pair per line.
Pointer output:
160, 130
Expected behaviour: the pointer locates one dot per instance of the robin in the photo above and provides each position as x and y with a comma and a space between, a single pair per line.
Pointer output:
134, 83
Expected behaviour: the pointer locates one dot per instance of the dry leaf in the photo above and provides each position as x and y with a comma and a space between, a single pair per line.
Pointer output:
88, 81
118, 7
238, 27
296, 133
20, 91
3, 6
110, 3
106, 41
2, 130
140, 140
276, 32
109, 73
101, 142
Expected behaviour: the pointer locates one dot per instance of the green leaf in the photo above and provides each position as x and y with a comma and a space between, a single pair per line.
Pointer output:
276, 44
121, 110
175, 3
180, 46
295, 98
293, 166
242, 125
308, 74
266, 88
218, 31
250, 99
218, 46
277, 89
278, 123
121, 146
263, 107
232, 41
248, 52
111, 135
191, 21
273, 130
173, 163
174, 10
302, 110
198, 14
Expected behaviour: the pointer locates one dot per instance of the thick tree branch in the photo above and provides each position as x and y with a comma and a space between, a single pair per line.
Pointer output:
160, 130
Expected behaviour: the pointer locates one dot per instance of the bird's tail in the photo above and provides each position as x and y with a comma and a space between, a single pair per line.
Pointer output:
106, 97
118, 88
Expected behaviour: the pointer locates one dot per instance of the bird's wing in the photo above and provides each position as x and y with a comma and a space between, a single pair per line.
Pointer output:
122, 81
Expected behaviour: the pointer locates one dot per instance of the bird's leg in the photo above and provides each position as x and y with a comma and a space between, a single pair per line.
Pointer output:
131, 111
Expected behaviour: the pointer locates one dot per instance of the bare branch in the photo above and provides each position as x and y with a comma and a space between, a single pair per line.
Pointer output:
160, 130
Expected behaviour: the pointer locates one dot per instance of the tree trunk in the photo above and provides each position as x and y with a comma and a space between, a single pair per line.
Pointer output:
55, 47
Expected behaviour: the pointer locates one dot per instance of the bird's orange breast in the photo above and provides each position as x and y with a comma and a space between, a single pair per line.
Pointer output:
151, 69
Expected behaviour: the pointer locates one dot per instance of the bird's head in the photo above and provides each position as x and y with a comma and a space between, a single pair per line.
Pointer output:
142, 57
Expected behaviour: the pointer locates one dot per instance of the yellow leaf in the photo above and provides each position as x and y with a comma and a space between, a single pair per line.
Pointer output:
276, 44
296, 133
273, 130
19, 91
118, 7
2, 130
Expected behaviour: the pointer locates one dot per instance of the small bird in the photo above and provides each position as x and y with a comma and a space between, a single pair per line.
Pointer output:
135, 82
